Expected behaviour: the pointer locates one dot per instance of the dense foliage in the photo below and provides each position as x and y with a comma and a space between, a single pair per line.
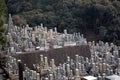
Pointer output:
102, 16
2, 20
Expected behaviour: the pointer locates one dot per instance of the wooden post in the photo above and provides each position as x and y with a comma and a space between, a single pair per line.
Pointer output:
20, 70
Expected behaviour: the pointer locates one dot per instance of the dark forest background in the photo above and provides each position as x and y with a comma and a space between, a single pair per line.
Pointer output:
3, 37
97, 19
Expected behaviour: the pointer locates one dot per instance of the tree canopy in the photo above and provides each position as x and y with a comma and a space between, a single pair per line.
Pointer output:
2, 20
102, 16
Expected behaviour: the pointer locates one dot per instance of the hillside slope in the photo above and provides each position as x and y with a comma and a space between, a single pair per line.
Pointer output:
102, 17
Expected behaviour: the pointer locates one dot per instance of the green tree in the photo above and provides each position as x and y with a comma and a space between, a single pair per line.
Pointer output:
2, 20
100, 16
18, 20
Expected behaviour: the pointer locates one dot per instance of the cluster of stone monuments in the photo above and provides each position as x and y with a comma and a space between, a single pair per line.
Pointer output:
103, 64
40, 38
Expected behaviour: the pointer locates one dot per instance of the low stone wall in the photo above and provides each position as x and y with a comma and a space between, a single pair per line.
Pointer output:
60, 55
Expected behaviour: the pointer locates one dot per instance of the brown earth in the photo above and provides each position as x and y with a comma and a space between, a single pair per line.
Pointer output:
59, 55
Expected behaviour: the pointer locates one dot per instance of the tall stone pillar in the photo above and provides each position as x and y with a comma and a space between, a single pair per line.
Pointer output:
46, 63
53, 64
77, 77
51, 77
21, 69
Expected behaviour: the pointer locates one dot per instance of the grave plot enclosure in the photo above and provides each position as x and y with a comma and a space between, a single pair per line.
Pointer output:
59, 55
